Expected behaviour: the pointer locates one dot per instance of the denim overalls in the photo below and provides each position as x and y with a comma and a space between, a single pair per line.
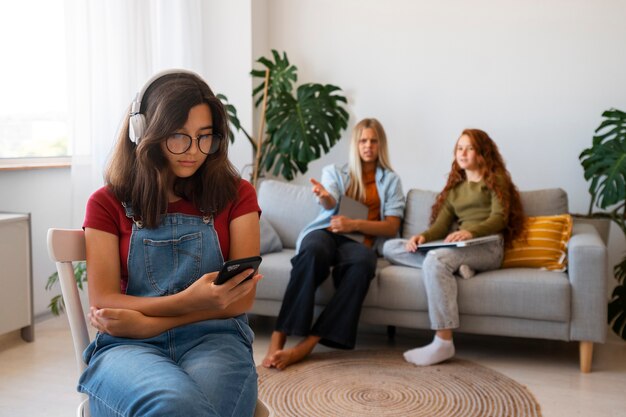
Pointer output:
201, 369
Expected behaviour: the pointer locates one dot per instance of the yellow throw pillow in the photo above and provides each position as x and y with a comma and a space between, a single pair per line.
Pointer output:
544, 246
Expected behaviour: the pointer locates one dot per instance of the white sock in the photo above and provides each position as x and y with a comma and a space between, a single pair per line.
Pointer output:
437, 351
466, 272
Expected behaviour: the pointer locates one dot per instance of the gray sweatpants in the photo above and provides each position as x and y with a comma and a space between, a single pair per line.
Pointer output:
439, 267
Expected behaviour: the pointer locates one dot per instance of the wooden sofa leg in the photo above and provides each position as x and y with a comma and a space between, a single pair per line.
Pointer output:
586, 355
391, 332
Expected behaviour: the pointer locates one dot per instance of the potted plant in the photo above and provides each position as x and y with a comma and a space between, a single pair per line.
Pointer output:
605, 167
298, 127
301, 126
57, 306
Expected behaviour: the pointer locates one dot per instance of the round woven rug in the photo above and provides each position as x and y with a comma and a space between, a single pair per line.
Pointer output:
381, 383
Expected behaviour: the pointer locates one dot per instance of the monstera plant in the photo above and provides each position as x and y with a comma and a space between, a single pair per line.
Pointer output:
300, 126
605, 167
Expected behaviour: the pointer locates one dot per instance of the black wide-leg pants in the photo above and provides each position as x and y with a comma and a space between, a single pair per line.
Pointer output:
354, 265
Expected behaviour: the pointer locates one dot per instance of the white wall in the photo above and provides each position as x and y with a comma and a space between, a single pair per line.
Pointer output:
46, 194
228, 38
535, 75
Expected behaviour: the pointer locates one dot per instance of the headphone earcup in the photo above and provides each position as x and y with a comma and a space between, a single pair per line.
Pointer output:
136, 127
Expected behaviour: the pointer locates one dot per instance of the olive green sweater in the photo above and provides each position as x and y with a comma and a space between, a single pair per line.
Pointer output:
476, 209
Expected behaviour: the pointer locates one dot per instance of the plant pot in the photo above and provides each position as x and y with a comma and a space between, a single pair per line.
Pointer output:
602, 225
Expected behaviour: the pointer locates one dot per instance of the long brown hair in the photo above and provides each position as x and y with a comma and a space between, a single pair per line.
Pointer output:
139, 174
496, 177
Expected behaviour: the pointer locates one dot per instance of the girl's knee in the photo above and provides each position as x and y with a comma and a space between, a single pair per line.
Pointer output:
439, 257
431, 260
314, 250
366, 262
162, 401
394, 247
439, 260
175, 401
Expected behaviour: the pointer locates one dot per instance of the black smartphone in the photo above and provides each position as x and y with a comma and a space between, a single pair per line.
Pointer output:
236, 266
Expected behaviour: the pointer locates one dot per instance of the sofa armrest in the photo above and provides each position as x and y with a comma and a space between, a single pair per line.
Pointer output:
588, 273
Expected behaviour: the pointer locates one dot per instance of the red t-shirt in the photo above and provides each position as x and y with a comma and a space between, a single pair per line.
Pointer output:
106, 213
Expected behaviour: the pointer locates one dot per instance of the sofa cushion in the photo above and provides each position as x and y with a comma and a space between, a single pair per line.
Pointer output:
417, 211
544, 244
401, 288
546, 202
288, 208
275, 268
517, 292
521, 292
270, 241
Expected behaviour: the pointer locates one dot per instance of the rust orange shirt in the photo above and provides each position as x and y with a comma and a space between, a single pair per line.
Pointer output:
372, 201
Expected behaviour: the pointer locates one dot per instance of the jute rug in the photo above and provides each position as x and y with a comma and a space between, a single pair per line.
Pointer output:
381, 383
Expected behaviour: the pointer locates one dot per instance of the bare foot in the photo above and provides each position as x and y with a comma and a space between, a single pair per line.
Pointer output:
283, 358
277, 342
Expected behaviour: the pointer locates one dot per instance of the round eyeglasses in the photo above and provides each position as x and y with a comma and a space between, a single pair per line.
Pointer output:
178, 143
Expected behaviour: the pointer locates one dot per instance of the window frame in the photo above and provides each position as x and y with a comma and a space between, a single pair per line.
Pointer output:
20, 164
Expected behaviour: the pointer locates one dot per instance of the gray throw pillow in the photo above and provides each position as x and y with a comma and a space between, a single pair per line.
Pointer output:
270, 242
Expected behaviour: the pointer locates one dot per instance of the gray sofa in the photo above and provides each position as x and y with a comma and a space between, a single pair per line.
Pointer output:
520, 302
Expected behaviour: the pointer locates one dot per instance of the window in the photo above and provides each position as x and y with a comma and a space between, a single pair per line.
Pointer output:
33, 80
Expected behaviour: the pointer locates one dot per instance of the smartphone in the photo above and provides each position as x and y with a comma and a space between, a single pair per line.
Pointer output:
236, 266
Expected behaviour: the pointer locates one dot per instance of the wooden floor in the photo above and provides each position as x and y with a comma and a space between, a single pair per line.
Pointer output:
39, 378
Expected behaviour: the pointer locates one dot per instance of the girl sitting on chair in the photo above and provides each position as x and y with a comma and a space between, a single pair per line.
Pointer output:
170, 341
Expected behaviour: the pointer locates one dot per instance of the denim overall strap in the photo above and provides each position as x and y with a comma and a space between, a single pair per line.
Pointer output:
168, 259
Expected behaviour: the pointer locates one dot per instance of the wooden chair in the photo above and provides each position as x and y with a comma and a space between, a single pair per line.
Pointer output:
66, 246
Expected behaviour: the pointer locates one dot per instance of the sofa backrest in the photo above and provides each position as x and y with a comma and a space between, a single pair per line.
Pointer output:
546, 202
288, 208
417, 211
543, 202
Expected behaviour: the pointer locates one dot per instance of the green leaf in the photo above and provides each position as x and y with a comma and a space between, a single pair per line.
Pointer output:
604, 163
56, 304
232, 116
282, 77
52, 280
619, 271
617, 311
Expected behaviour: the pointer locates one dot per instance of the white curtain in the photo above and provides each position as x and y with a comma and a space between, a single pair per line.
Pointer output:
114, 46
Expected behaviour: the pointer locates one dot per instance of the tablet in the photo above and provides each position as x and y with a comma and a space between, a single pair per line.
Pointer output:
463, 243
353, 209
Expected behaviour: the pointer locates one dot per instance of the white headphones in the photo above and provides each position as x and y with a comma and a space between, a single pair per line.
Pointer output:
137, 121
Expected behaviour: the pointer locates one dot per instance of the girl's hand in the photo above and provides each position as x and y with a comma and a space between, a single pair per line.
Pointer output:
123, 323
342, 224
318, 189
205, 295
414, 242
458, 236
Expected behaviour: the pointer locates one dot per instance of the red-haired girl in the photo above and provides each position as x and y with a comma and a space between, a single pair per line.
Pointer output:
482, 199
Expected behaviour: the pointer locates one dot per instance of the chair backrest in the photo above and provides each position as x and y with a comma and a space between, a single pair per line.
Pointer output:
66, 246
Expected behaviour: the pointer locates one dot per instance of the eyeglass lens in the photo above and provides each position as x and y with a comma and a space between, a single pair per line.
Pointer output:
178, 143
